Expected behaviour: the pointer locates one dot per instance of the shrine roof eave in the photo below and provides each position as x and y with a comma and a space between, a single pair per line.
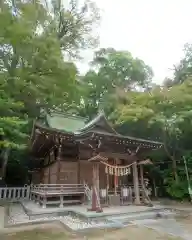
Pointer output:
119, 139
44, 129
89, 135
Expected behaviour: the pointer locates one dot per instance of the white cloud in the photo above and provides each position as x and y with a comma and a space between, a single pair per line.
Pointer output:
153, 30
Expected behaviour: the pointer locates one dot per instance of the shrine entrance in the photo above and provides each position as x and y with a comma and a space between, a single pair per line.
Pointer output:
116, 175
105, 163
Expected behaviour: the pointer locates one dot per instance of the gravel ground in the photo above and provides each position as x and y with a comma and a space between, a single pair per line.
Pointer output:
185, 221
18, 216
50, 232
169, 226
161, 227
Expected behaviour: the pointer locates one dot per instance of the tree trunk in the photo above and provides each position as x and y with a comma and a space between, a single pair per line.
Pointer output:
172, 157
174, 166
5, 161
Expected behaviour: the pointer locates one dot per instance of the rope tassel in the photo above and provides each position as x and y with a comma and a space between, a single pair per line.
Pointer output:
117, 170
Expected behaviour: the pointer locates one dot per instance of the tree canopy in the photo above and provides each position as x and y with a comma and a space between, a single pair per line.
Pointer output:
39, 45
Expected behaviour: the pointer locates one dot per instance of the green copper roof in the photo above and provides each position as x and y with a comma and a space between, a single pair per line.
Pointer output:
65, 122
78, 125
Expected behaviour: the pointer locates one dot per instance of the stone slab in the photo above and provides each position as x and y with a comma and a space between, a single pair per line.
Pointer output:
32, 208
18, 217
169, 226
114, 200
2, 217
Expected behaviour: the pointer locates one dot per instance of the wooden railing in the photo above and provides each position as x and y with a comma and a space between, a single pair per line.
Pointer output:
58, 194
88, 192
58, 188
22, 193
14, 193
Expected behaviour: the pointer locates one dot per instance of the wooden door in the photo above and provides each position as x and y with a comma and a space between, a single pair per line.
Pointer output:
68, 173
86, 172
46, 175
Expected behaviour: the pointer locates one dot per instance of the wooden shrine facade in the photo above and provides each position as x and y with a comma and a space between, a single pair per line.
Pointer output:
65, 148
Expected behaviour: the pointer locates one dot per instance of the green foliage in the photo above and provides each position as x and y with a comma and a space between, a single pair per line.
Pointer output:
35, 43
12, 126
177, 190
111, 70
161, 114
74, 25
37, 39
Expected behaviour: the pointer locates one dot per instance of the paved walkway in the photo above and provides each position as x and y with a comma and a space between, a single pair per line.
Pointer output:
161, 225
169, 226
36, 209
1, 217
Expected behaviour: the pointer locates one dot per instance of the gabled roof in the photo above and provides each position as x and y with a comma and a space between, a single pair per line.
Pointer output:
99, 124
65, 122
80, 129
78, 125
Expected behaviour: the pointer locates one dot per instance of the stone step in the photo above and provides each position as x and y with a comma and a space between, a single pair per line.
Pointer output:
125, 219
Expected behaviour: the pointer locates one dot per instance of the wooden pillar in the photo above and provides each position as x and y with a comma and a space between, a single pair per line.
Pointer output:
155, 189
95, 204
59, 162
42, 175
49, 175
49, 170
115, 181
115, 177
78, 167
94, 197
97, 176
136, 183
142, 181
107, 176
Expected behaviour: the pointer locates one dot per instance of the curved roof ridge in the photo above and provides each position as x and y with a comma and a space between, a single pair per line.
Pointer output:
66, 114
99, 117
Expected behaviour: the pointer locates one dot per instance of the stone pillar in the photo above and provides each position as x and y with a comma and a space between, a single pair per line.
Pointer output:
44, 202
61, 202
38, 199
136, 183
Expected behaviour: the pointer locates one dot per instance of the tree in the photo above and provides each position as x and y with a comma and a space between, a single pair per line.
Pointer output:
36, 41
33, 49
74, 24
183, 70
12, 129
121, 69
112, 70
161, 114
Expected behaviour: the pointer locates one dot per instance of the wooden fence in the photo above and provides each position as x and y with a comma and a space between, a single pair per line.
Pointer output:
14, 193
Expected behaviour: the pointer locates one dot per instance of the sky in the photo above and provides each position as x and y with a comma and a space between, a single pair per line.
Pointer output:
153, 30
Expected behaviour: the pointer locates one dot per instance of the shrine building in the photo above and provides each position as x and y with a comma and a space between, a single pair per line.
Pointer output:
77, 159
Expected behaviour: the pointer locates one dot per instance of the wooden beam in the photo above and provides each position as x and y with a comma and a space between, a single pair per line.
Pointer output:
145, 162
114, 155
